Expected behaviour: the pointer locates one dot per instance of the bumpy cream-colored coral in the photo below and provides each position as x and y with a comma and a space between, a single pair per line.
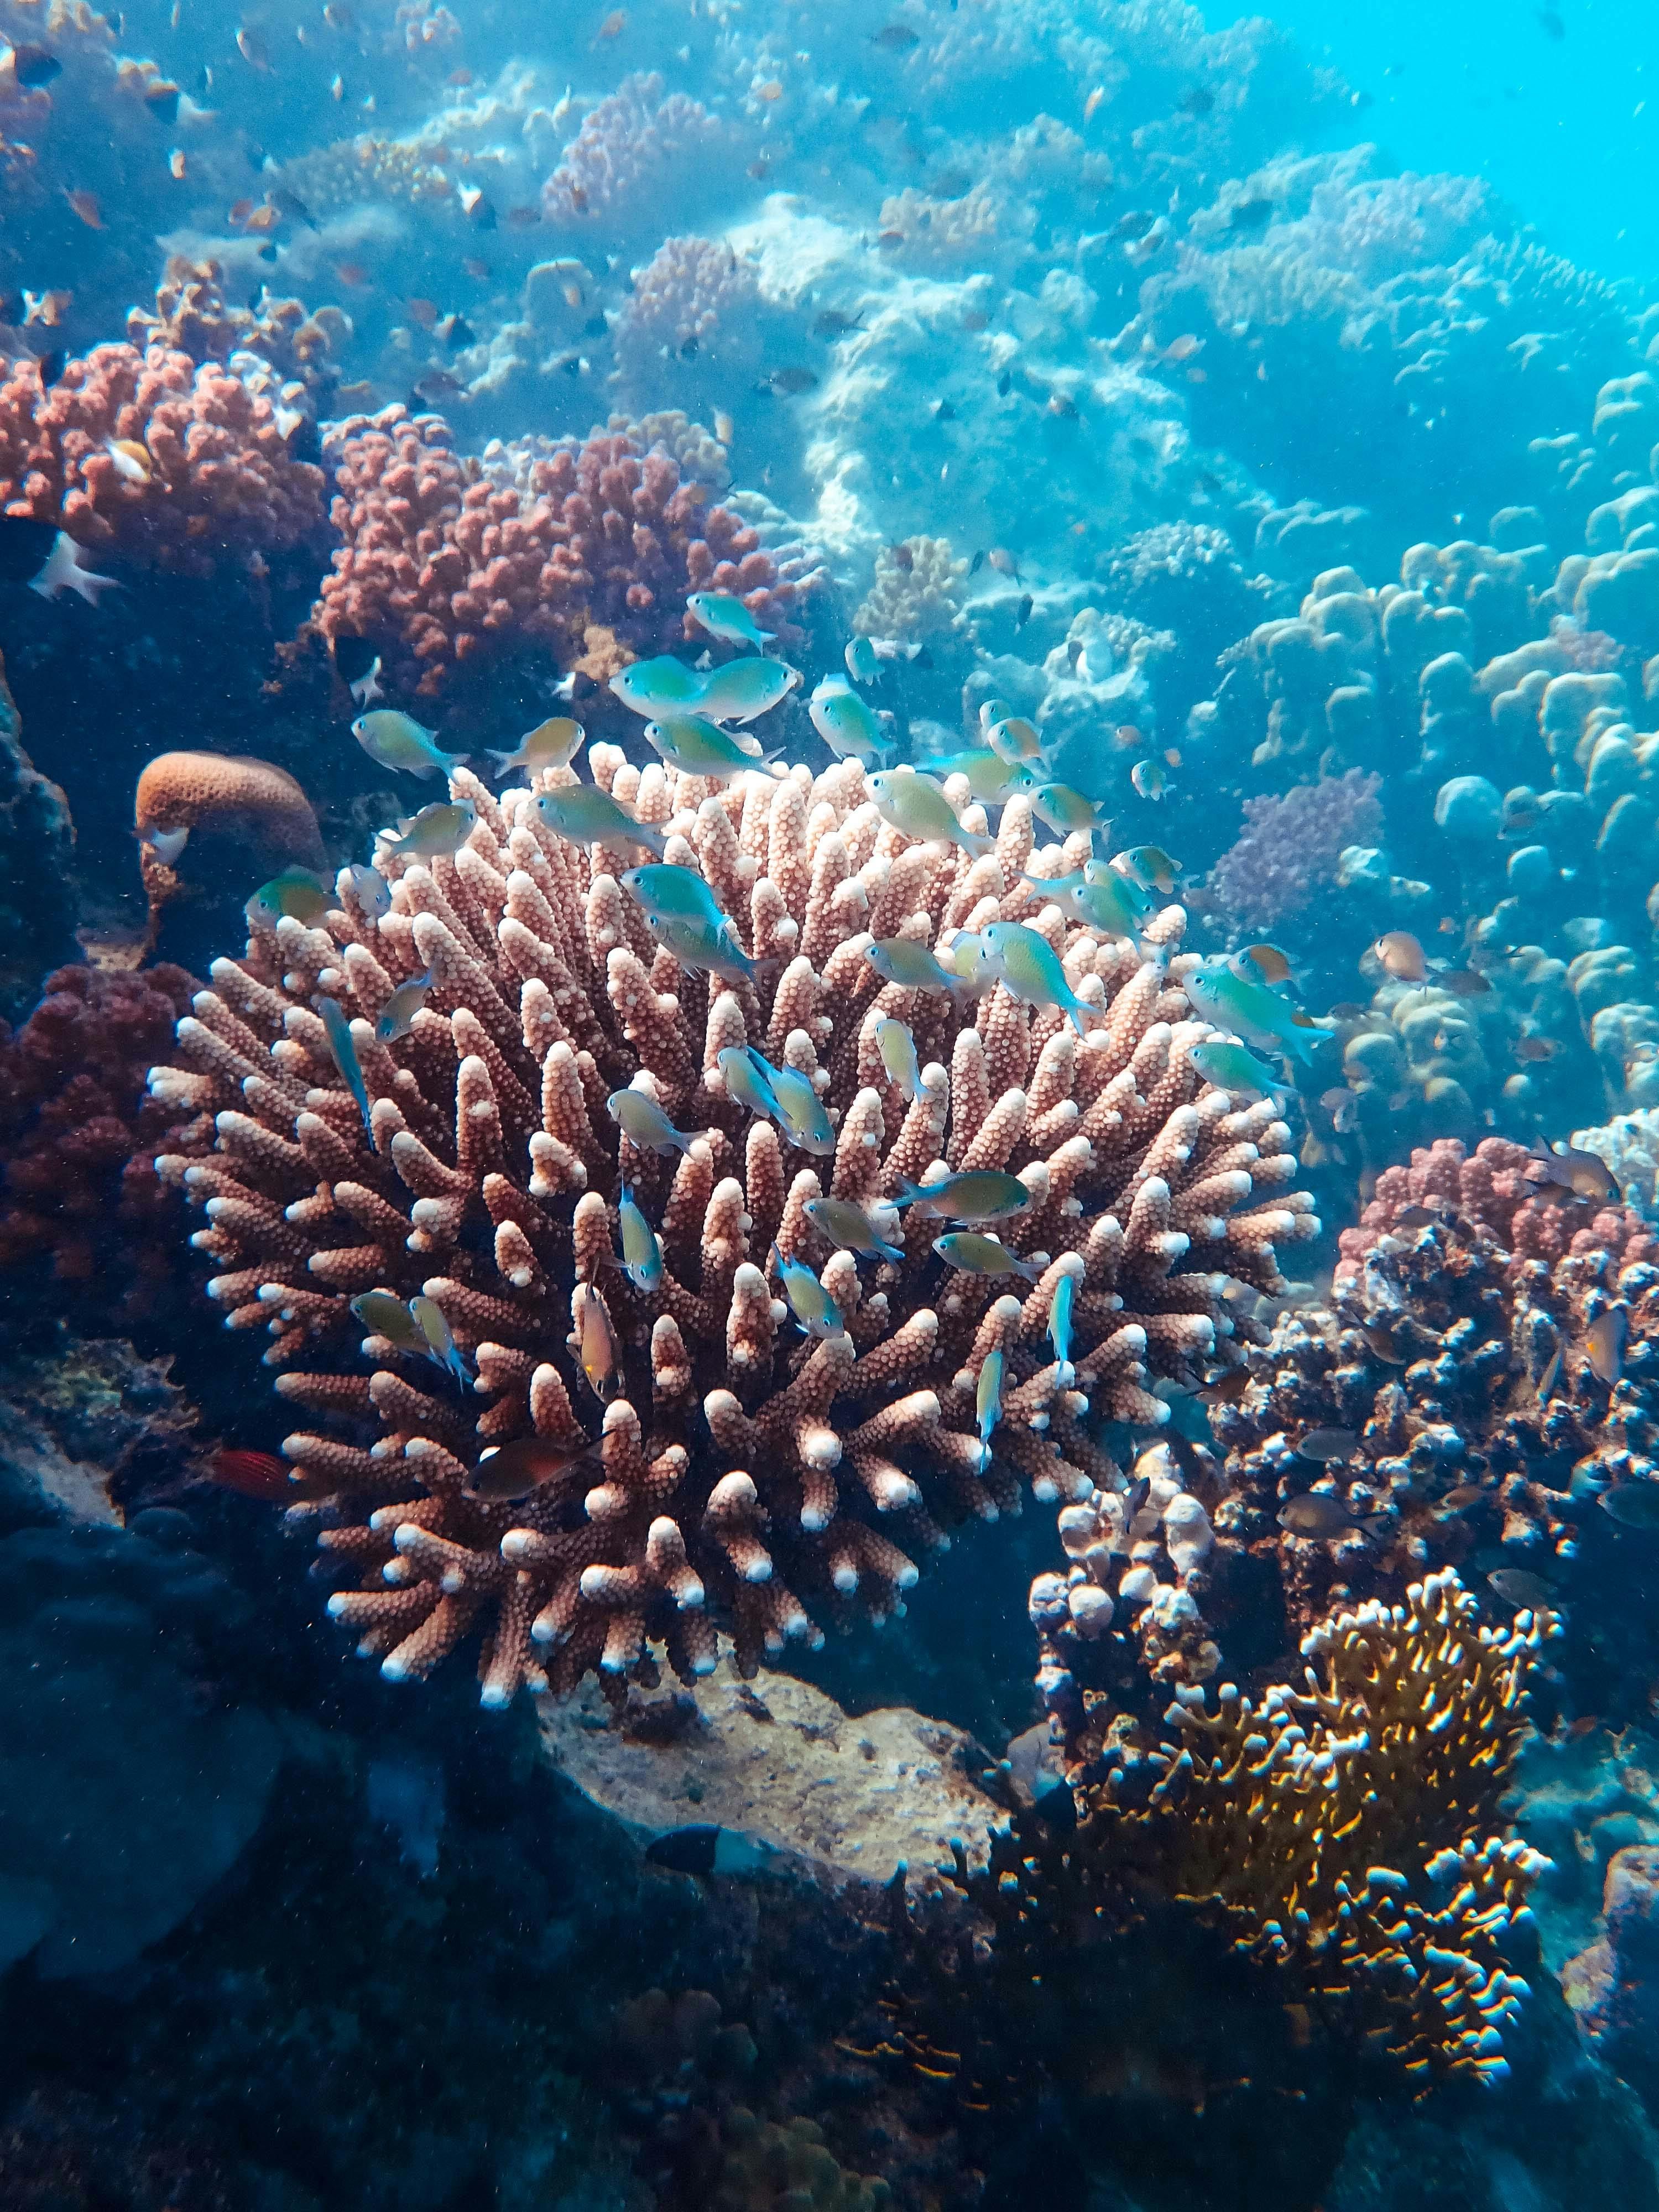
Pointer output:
916, 593
745, 1477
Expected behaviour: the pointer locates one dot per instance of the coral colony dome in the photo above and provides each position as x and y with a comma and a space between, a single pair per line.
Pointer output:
828, 1108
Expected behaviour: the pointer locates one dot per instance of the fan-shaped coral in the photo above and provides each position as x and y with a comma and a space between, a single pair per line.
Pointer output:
744, 1479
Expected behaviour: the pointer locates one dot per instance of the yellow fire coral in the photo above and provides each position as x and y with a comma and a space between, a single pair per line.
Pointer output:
1340, 1828
744, 1476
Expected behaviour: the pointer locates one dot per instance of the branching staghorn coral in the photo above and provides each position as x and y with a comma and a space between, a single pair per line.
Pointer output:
1344, 1832
745, 1478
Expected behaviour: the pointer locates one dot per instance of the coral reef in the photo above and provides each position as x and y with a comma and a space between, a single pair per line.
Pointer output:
158, 460
757, 1483
1480, 1413
79, 1132
443, 564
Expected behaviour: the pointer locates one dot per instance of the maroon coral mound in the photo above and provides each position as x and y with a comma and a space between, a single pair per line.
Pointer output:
446, 564
79, 1130
168, 464
1492, 1188
1290, 847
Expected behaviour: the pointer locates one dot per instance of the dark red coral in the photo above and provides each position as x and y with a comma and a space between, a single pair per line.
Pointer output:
446, 562
1493, 1189
80, 1131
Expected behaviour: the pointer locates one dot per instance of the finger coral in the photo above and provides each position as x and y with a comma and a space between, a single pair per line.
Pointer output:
743, 1477
443, 564
166, 462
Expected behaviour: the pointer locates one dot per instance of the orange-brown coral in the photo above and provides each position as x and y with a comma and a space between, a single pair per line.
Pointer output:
231, 793
745, 1478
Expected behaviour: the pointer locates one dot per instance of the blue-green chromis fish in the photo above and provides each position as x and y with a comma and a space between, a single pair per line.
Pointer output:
741, 690
974, 1255
441, 1345
990, 778
382, 1314
747, 1077
845, 722
370, 889
1260, 1016
811, 1304
396, 740
1013, 737
1235, 1068
711, 948
979, 1194
343, 1047
296, 892
438, 831
587, 815
726, 618
1106, 903
696, 746
553, 743
988, 1398
641, 1252
643, 1122
1029, 969
397, 1015
805, 1120
1065, 810
916, 806
903, 961
1151, 866
656, 687
863, 661
849, 1226
1060, 1325
674, 894
897, 1048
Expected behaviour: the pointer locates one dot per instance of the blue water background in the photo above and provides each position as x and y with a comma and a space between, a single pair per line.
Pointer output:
1566, 129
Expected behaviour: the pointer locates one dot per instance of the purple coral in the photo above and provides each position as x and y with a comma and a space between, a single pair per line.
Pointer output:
692, 296
624, 144
1290, 846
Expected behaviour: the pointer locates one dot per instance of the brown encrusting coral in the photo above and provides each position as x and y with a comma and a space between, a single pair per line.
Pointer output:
1477, 1394
744, 1478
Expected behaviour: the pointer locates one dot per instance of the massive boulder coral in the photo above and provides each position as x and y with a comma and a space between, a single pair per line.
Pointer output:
165, 462
746, 1480
444, 564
